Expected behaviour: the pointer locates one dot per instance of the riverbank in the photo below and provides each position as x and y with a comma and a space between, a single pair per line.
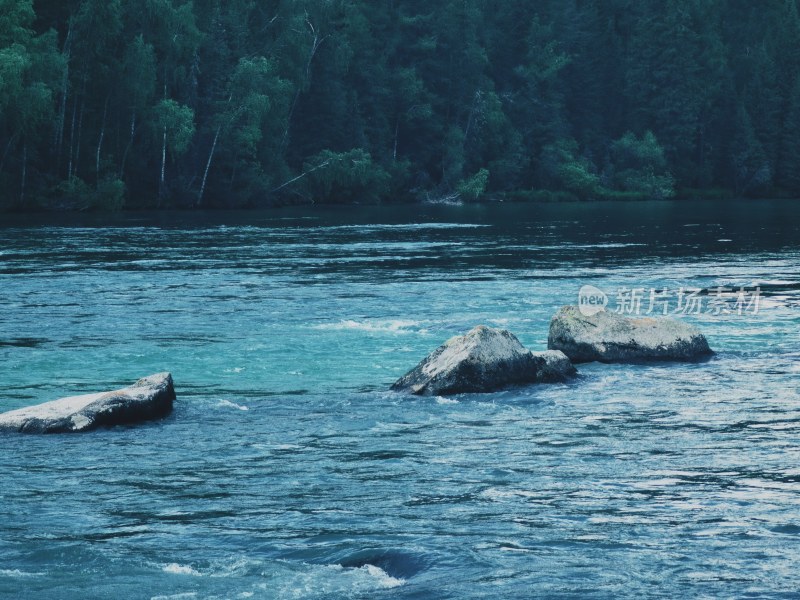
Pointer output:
520, 197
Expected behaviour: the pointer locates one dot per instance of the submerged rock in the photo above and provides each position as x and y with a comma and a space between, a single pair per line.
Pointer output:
609, 337
483, 360
147, 399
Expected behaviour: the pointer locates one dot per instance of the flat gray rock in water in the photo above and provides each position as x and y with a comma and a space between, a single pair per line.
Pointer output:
609, 337
483, 360
147, 399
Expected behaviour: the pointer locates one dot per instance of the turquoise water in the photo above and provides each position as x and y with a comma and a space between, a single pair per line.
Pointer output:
289, 471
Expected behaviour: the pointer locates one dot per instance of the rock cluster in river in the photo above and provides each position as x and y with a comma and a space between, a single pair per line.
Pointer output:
483, 360
486, 359
147, 399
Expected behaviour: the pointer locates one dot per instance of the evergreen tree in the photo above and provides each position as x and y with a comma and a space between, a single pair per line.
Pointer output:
29, 72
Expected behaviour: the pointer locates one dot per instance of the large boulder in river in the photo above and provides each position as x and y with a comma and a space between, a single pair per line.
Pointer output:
147, 399
483, 360
612, 338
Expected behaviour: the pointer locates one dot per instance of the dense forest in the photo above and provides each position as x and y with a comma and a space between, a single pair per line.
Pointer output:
237, 103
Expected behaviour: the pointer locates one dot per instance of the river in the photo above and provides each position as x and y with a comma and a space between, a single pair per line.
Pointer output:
287, 469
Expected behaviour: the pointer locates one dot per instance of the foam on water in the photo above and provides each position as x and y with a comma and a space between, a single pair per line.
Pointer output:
229, 404
176, 569
318, 581
382, 578
17, 574
376, 325
443, 400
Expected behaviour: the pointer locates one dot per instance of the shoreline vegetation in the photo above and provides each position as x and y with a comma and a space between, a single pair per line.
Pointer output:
518, 197
152, 104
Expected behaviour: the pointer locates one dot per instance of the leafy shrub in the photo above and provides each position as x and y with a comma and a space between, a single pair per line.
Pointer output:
474, 188
75, 194
640, 167
109, 195
72, 194
345, 177
565, 169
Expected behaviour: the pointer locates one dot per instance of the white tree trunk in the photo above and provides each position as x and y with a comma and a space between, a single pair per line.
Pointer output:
72, 137
62, 117
316, 42
10, 143
128, 147
100, 142
396, 134
62, 109
163, 148
78, 141
163, 159
291, 181
24, 173
472, 109
208, 166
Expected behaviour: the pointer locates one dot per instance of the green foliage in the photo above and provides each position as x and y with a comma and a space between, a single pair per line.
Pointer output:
638, 154
14, 63
337, 177
676, 65
254, 92
28, 73
255, 97
109, 195
751, 169
788, 175
545, 57
139, 68
178, 122
71, 194
75, 194
474, 188
453, 156
565, 169
640, 167
16, 18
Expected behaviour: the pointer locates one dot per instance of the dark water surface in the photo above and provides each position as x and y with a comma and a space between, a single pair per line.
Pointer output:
288, 471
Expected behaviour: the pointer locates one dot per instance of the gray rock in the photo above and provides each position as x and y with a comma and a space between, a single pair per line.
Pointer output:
483, 360
555, 368
147, 399
609, 337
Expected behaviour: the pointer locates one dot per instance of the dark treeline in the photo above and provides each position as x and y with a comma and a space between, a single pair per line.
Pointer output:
233, 103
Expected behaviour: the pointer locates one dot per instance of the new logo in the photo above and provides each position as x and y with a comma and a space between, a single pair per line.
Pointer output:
591, 300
